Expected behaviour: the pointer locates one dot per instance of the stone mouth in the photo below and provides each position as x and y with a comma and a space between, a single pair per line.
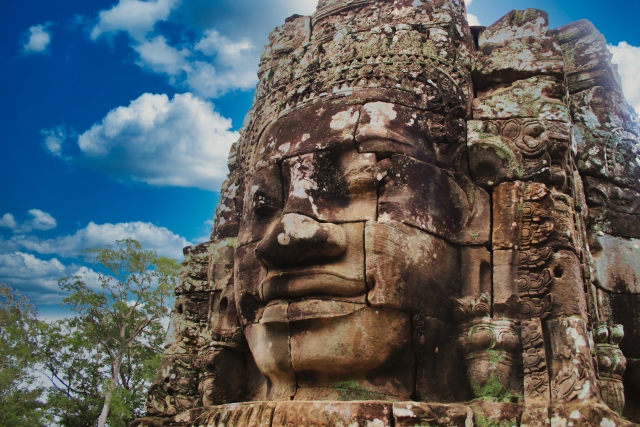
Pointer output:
311, 282
308, 309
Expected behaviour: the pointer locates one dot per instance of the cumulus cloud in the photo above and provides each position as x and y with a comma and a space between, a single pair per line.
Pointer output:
8, 221
159, 57
218, 43
40, 221
135, 17
37, 39
211, 67
152, 237
178, 142
628, 59
38, 278
26, 271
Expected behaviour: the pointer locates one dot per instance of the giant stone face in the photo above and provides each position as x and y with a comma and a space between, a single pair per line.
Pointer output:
420, 212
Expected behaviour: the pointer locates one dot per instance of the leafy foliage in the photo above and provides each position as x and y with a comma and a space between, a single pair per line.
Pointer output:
20, 395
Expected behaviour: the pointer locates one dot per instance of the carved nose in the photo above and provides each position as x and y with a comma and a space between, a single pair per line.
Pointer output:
297, 239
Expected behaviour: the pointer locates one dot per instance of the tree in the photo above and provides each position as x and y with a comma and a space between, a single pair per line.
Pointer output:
105, 356
20, 393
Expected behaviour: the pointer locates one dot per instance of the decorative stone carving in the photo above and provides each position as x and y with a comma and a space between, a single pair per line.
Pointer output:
395, 160
611, 364
490, 347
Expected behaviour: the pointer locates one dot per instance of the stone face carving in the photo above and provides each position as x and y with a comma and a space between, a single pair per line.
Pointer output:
424, 223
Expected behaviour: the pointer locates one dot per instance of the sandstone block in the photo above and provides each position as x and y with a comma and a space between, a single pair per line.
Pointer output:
536, 97
518, 46
434, 200
617, 263
331, 186
411, 270
327, 126
263, 201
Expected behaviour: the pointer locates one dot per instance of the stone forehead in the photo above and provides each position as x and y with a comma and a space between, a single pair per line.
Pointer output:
410, 52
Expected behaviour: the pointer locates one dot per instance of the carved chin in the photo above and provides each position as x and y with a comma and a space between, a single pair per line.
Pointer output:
351, 347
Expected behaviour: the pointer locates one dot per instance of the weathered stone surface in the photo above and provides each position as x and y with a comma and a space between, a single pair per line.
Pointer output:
379, 362
332, 415
572, 372
611, 364
479, 413
517, 149
587, 59
517, 47
613, 197
439, 377
222, 376
327, 126
249, 274
617, 263
259, 414
187, 324
434, 200
387, 129
227, 218
269, 344
220, 263
263, 201
567, 285
331, 186
537, 390
603, 220
175, 388
411, 270
536, 97
532, 216
476, 271
193, 274
606, 137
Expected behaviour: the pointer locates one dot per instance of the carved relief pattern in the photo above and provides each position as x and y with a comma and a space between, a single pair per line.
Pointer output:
534, 280
490, 347
611, 364
536, 374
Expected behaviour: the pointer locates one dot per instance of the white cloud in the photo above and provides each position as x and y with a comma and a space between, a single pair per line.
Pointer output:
26, 271
628, 59
224, 64
40, 221
37, 39
181, 142
54, 139
152, 237
473, 19
8, 221
212, 43
158, 56
137, 18
224, 54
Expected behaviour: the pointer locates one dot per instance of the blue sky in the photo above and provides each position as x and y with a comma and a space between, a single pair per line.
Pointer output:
119, 115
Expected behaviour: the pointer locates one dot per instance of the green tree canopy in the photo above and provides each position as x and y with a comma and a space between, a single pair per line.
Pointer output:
20, 394
102, 361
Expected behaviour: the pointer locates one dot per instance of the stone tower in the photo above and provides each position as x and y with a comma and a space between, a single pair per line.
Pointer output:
424, 223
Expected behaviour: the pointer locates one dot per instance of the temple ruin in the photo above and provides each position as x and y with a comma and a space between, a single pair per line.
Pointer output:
424, 224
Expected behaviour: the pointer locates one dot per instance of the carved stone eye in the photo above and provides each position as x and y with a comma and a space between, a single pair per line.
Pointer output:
263, 204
